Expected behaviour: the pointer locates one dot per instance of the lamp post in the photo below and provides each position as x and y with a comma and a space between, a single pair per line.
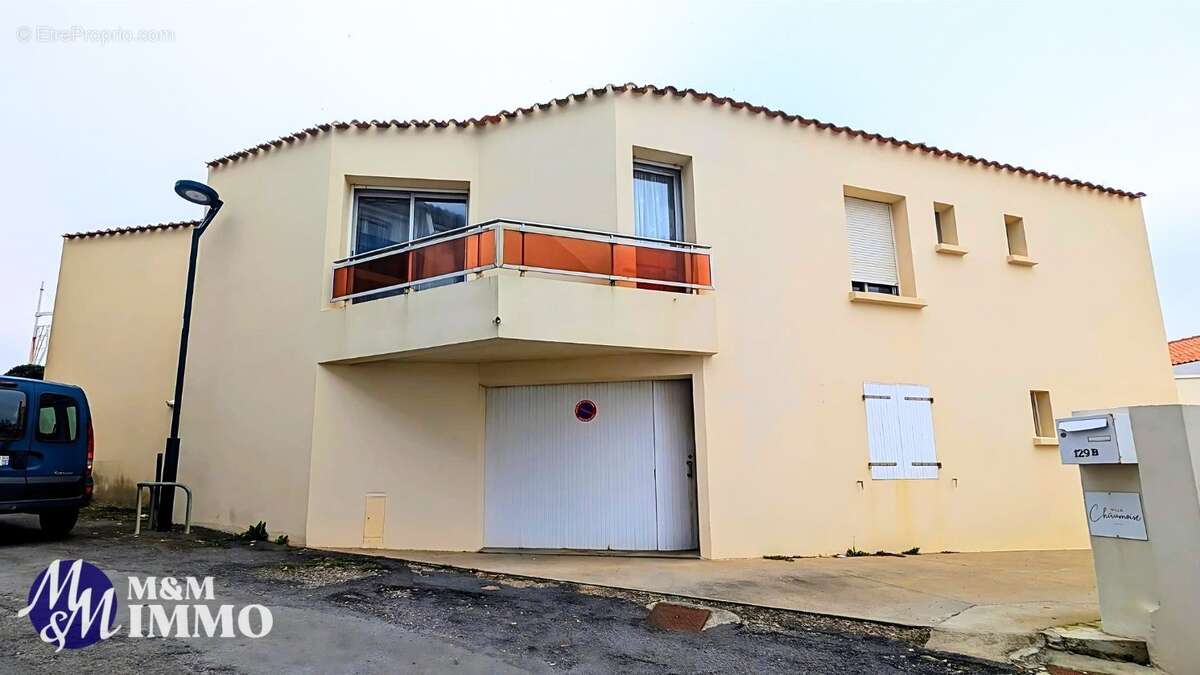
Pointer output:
196, 193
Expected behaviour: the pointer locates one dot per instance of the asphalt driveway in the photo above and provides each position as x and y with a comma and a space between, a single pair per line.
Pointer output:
340, 613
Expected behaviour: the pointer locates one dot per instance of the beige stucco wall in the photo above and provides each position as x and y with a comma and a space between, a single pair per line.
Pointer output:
422, 447
249, 393
116, 334
423, 450
1189, 388
780, 423
265, 279
787, 438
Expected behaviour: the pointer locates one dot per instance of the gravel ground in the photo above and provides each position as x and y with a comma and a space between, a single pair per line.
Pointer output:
350, 614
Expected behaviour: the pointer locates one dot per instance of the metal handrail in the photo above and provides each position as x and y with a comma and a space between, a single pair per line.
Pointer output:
520, 225
187, 519
603, 233
499, 226
422, 242
603, 236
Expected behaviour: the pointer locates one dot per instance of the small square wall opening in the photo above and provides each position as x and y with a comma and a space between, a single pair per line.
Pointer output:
1043, 415
944, 223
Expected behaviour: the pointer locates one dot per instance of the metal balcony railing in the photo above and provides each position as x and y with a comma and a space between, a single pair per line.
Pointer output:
619, 259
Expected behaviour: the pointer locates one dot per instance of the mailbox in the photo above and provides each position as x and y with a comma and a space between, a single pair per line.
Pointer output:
1100, 437
1140, 507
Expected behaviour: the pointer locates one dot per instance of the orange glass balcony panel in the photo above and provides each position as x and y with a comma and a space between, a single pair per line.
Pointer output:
662, 265
552, 252
470, 251
342, 282
624, 262
435, 260
624, 259
566, 253
682, 267
701, 269
371, 275
514, 247
487, 249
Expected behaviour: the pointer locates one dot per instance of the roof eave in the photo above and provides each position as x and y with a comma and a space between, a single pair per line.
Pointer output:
133, 229
631, 88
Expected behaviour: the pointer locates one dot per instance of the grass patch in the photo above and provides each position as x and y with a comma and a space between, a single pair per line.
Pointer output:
256, 532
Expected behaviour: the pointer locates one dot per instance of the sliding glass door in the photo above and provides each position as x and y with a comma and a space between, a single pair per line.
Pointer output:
385, 218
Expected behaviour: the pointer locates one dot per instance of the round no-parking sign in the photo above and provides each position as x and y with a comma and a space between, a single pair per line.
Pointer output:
585, 410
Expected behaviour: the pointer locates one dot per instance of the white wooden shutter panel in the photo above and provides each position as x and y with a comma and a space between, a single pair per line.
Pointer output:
900, 431
916, 431
872, 242
883, 431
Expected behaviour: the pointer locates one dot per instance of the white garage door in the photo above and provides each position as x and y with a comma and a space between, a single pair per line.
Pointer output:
591, 466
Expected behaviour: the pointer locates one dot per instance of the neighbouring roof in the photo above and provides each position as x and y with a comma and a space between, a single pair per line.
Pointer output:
699, 96
115, 231
1185, 350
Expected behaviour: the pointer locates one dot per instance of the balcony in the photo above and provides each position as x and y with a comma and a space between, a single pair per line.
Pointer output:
508, 290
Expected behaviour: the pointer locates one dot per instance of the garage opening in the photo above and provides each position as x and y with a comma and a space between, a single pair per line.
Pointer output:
601, 466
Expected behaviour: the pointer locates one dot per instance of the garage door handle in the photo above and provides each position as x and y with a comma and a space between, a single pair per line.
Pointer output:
690, 465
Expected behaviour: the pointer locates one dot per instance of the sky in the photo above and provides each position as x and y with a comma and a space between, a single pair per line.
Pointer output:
104, 105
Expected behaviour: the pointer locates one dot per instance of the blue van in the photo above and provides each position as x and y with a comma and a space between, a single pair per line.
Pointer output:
46, 451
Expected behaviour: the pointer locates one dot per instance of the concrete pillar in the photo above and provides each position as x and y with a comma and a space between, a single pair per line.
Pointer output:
1151, 589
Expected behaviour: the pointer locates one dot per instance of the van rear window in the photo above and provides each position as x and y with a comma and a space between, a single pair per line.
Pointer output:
12, 414
58, 418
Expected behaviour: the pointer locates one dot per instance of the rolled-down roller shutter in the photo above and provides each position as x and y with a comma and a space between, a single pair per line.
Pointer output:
872, 242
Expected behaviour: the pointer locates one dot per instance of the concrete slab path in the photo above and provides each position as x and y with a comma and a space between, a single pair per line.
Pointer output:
1001, 593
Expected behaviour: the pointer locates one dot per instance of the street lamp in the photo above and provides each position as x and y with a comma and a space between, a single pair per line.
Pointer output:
196, 193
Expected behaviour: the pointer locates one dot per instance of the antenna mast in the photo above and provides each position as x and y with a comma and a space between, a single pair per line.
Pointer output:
41, 331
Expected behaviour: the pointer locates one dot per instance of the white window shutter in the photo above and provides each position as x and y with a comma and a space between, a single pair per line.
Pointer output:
916, 431
900, 431
872, 242
883, 431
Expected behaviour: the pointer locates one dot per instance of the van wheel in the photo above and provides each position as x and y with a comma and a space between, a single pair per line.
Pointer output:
56, 524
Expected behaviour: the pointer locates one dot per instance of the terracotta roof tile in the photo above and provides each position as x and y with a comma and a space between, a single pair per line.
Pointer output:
115, 231
1185, 350
701, 96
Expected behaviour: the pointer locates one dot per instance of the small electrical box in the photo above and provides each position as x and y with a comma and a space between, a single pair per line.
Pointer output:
1096, 437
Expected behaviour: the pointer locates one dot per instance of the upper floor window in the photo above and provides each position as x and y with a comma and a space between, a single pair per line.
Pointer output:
872, 239
389, 217
657, 201
385, 218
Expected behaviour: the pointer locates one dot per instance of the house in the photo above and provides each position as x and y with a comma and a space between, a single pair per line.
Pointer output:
116, 334
648, 318
1185, 363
